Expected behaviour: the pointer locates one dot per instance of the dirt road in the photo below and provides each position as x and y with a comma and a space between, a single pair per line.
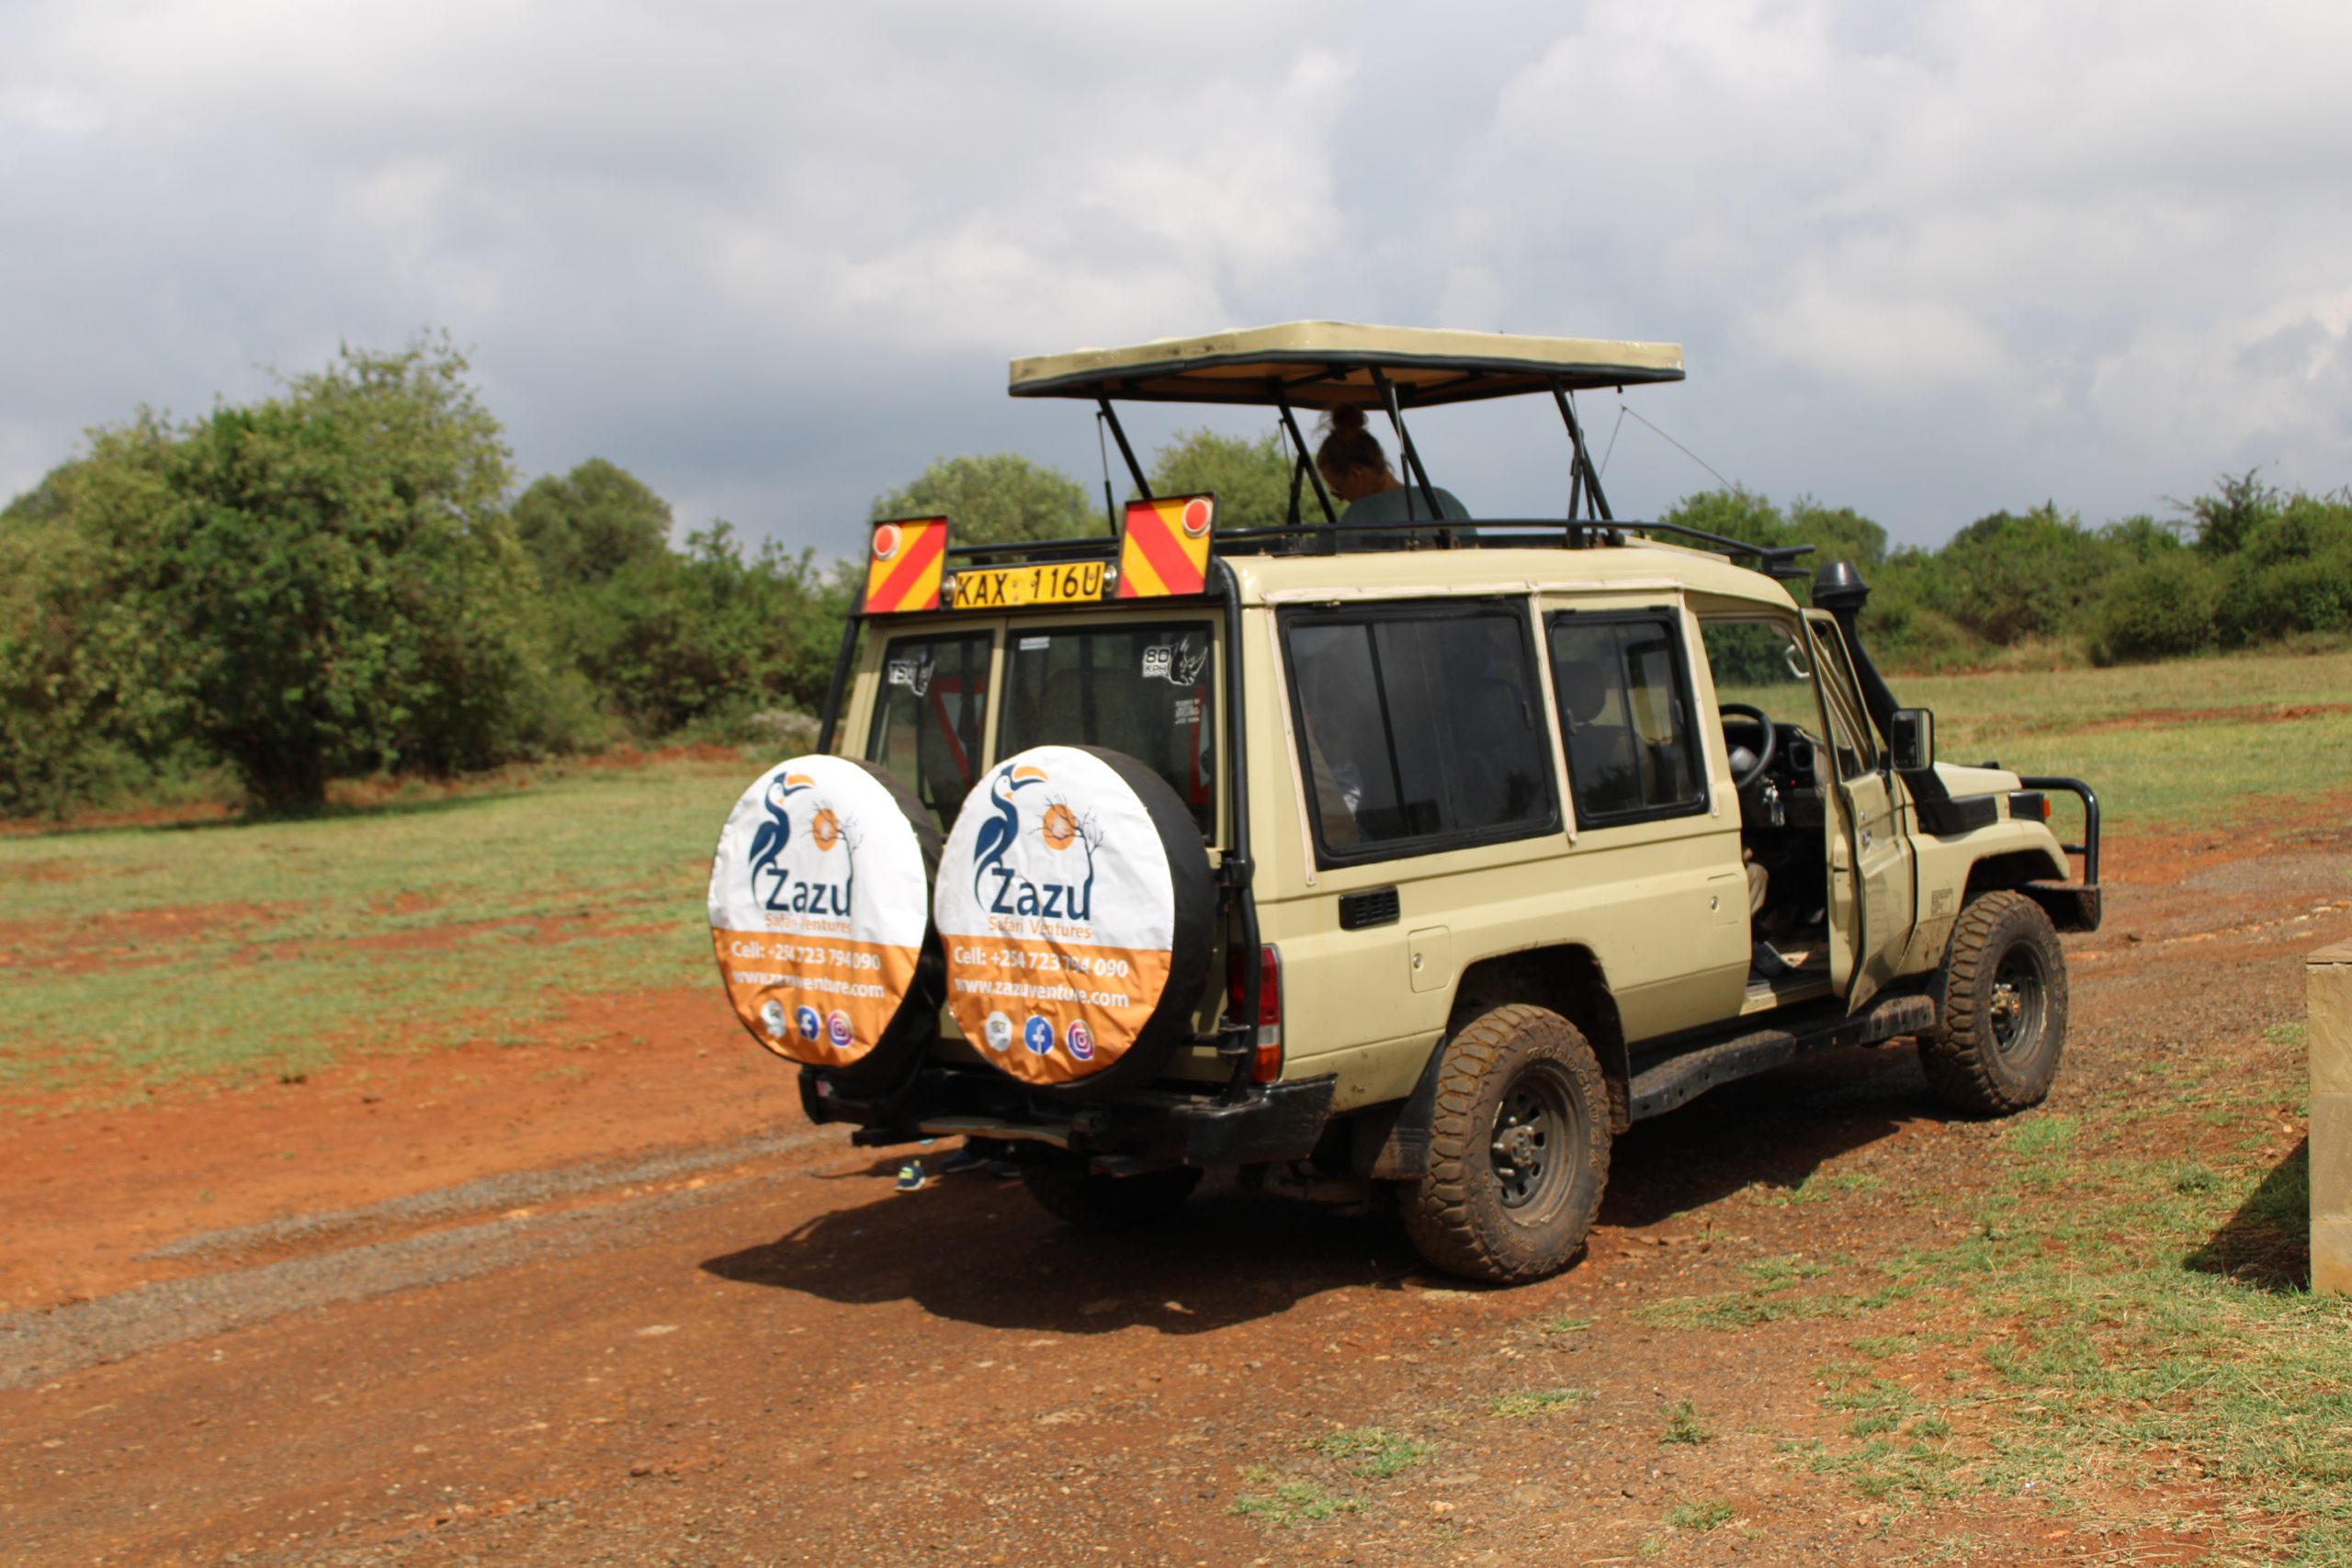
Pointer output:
623, 1306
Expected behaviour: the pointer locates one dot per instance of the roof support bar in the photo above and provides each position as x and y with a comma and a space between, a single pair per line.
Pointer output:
1405, 443
1580, 469
1306, 458
1119, 433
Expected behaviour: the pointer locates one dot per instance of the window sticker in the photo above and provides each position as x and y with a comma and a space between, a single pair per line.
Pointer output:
1179, 663
914, 673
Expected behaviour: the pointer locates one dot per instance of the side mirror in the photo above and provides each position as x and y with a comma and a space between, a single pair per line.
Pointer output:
1911, 735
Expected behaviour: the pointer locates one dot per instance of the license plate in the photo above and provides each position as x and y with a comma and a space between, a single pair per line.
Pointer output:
1000, 587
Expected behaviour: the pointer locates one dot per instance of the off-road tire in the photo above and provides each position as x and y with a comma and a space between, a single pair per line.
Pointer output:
2001, 991
1477, 1214
1110, 1203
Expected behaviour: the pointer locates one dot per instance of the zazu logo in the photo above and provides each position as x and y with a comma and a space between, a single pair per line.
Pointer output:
826, 831
1000, 884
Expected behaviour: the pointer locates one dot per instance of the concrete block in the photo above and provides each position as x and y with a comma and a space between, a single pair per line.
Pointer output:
2332, 1255
2332, 1154
2328, 977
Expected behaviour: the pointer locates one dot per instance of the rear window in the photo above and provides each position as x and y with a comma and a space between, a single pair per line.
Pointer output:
1148, 691
927, 723
1420, 730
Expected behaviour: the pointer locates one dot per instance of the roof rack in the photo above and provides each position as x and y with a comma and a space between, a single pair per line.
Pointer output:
1780, 561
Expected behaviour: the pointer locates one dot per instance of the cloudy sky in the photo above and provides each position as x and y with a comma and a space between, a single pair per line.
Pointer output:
1927, 260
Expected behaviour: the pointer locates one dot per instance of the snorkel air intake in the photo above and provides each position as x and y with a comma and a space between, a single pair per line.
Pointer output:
1840, 589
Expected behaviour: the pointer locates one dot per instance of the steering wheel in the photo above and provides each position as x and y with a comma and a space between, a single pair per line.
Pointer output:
1748, 764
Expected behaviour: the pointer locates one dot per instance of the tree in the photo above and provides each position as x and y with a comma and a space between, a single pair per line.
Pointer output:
83, 708
2010, 576
1836, 533
337, 567
1251, 478
589, 524
999, 497
1736, 512
2238, 503
674, 638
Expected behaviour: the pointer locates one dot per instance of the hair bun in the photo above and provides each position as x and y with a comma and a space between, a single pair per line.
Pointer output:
1343, 419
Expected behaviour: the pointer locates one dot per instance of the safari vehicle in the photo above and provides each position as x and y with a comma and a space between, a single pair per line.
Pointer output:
1437, 856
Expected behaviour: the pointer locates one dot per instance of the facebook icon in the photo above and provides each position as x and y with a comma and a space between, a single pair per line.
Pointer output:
1038, 1035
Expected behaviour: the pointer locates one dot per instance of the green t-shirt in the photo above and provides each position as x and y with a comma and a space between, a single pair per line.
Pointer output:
1402, 504
1369, 523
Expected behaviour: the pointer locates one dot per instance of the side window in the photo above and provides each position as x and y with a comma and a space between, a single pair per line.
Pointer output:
927, 720
1418, 729
1625, 717
1857, 753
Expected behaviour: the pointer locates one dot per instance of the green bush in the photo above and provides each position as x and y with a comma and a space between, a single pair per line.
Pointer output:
2160, 609
676, 638
2292, 572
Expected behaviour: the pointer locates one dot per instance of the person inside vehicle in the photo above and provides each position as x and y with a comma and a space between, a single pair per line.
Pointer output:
1356, 470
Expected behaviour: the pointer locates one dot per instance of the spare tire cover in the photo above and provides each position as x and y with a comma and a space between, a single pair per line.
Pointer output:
1076, 908
820, 913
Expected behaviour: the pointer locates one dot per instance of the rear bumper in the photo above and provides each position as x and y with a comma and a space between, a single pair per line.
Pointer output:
1277, 1121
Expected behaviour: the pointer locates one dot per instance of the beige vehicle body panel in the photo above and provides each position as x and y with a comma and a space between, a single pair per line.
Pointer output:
1660, 908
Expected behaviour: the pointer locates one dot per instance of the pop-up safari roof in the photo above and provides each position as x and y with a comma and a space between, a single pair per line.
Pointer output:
1322, 364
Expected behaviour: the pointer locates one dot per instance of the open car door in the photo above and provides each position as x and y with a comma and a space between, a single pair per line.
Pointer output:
1872, 882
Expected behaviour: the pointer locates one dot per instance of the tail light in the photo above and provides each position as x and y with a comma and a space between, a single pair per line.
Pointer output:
1266, 1051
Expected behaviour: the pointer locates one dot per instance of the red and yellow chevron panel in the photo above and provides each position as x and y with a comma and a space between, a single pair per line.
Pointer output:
1165, 549
903, 573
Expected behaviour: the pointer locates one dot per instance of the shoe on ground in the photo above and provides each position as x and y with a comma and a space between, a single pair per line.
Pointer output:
963, 1159
910, 1176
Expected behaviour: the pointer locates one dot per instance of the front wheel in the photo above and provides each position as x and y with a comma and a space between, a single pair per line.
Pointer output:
2003, 1010
1519, 1150
1110, 1203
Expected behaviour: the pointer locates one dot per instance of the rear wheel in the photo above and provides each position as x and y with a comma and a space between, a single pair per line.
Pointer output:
2004, 985
1110, 1203
1519, 1150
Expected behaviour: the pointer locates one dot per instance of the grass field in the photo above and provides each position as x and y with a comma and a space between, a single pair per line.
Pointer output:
141, 955
2166, 745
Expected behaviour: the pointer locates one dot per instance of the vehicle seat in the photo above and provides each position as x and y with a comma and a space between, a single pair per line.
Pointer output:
1604, 762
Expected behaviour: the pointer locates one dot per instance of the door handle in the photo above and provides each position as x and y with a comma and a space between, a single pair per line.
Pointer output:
1866, 838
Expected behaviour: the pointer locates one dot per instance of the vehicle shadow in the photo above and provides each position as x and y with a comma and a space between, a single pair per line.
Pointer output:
977, 1250
980, 1251
1772, 1130
2267, 1243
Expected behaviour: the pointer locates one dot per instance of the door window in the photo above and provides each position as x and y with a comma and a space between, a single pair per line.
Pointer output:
1857, 753
1625, 717
1418, 728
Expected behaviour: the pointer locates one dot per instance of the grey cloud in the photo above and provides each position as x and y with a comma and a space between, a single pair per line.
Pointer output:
1929, 261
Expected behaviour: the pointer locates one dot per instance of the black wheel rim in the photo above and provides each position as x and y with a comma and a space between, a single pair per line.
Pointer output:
2020, 1001
1538, 1142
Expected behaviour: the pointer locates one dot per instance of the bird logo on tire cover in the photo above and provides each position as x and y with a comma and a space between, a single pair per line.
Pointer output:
998, 833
